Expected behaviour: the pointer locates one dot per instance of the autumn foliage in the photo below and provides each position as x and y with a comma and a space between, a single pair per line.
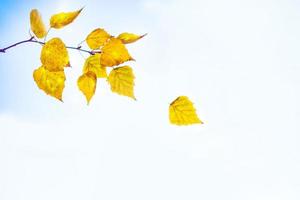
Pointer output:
107, 57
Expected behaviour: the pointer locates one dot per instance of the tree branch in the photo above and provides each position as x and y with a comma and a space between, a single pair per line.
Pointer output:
33, 40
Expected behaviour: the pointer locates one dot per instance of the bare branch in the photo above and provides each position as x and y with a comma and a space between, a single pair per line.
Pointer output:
33, 40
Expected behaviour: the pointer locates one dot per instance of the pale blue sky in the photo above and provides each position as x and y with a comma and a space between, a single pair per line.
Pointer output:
237, 60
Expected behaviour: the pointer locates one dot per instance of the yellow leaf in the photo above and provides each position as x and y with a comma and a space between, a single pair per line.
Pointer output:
37, 24
87, 84
182, 112
121, 81
97, 38
114, 53
127, 38
52, 83
54, 55
92, 64
62, 19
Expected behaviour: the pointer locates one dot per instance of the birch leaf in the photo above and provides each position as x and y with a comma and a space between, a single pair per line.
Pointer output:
114, 53
52, 83
182, 112
92, 64
37, 24
87, 85
97, 38
127, 38
54, 55
121, 81
64, 18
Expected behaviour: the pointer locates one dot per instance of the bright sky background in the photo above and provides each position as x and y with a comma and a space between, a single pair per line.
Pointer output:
237, 60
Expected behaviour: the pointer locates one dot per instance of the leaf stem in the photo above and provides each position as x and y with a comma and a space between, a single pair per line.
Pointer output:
47, 34
33, 40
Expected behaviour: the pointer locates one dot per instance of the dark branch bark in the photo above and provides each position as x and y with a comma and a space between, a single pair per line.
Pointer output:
33, 40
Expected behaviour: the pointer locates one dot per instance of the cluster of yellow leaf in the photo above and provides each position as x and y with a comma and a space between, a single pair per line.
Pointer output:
54, 57
113, 53
107, 53
50, 76
57, 21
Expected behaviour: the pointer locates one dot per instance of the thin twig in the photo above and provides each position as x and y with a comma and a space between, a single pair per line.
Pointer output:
33, 40
18, 43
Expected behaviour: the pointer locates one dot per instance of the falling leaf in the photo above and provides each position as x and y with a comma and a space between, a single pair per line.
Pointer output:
62, 19
87, 84
54, 55
127, 38
97, 38
121, 81
52, 83
37, 24
182, 112
114, 53
92, 64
